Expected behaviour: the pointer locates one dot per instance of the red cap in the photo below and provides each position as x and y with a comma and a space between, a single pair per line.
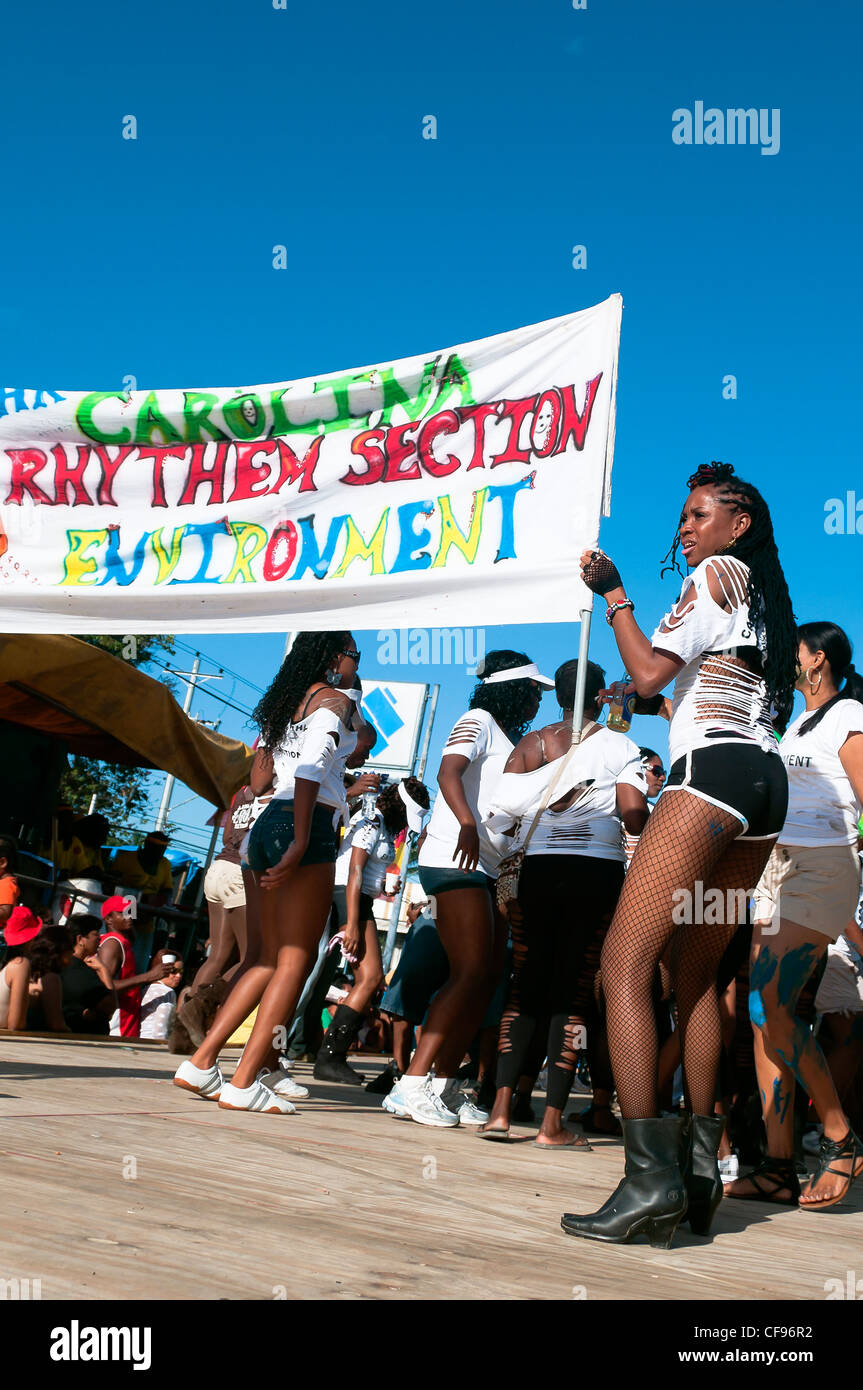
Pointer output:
21, 926
116, 904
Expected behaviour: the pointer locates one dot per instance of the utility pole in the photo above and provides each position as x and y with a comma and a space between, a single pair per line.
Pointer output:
192, 678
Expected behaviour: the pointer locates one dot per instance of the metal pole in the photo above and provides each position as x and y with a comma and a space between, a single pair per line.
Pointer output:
421, 765
581, 678
162, 817
418, 771
93, 799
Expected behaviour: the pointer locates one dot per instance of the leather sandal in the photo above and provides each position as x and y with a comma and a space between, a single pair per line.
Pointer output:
830, 1150
768, 1179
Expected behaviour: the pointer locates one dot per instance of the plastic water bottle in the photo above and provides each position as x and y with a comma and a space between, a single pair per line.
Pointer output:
369, 802
620, 708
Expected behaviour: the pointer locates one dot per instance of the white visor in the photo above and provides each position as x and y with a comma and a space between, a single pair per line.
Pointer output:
531, 672
416, 813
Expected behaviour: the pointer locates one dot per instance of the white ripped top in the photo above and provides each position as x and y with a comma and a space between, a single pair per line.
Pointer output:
591, 825
315, 749
716, 700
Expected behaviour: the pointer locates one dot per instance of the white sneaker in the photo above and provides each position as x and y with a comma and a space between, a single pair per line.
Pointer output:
257, 1097
394, 1103
283, 1084
459, 1102
423, 1104
729, 1168
207, 1084
469, 1113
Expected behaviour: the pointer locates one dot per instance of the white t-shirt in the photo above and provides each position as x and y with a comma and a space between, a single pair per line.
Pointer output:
315, 749
715, 699
822, 807
591, 826
158, 1006
368, 833
478, 737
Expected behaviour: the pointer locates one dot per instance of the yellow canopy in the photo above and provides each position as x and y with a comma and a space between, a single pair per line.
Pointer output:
105, 708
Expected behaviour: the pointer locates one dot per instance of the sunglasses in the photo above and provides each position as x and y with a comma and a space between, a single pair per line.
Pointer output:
354, 655
657, 771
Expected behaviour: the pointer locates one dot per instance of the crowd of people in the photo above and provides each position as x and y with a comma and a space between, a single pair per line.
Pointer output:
83, 961
582, 910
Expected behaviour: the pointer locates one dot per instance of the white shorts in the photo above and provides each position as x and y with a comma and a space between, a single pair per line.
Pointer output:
224, 884
841, 987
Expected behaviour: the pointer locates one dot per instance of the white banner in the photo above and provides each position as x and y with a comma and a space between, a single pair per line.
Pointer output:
455, 487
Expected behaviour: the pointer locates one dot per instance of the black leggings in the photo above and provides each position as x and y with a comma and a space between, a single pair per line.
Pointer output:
568, 901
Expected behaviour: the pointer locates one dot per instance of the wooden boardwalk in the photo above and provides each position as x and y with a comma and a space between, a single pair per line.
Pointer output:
117, 1185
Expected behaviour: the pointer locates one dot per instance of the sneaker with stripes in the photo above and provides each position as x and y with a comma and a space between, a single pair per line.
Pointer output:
205, 1083
258, 1097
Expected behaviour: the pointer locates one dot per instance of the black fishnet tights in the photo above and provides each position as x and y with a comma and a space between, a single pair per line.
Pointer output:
686, 841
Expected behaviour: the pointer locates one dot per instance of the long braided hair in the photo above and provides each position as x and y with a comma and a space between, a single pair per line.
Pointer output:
767, 591
305, 665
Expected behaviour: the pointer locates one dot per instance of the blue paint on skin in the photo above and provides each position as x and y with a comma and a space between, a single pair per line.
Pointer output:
780, 1101
794, 970
762, 972
715, 828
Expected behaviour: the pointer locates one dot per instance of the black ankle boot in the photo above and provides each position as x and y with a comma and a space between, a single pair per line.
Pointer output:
330, 1064
701, 1171
651, 1200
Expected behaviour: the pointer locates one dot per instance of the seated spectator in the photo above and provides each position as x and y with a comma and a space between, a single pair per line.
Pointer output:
147, 871
49, 955
117, 954
159, 1003
68, 853
88, 1001
92, 832
22, 927
9, 893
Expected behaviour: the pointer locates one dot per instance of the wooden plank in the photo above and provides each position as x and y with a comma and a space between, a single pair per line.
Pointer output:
127, 1187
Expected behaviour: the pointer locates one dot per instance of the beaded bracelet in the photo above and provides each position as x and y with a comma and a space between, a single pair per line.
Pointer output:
616, 607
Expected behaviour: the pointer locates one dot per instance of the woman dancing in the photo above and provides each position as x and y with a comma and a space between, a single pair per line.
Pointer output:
569, 885
807, 895
458, 865
305, 741
730, 642
367, 850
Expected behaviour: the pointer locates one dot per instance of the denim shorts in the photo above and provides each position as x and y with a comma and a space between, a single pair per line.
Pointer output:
436, 881
273, 832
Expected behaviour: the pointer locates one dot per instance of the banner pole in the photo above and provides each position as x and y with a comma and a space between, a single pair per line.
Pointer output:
581, 678
419, 768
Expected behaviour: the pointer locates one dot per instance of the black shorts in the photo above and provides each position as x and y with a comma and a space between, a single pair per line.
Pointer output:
273, 832
436, 881
737, 777
340, 903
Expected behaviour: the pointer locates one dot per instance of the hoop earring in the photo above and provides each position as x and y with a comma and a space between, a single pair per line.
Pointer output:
333, 677
812, 686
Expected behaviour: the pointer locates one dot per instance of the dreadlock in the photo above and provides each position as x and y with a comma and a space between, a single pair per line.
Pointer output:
304, 666
509, 702
393, 809
767, 591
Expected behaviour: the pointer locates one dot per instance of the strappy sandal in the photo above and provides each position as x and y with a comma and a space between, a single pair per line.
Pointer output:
768, 1179
830, 1150
588, 1122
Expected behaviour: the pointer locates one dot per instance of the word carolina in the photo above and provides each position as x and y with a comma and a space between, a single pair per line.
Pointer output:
232, 552
83, 475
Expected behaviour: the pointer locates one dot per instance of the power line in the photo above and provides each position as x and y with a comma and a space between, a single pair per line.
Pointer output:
185, 647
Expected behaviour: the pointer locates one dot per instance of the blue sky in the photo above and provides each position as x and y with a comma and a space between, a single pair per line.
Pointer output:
302, 126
